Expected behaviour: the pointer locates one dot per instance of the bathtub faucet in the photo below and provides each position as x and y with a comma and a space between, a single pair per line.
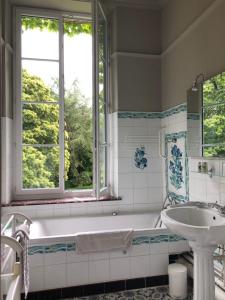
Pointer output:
114, 213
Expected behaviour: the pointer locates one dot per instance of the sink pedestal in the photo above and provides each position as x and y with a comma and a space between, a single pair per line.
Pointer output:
204, 281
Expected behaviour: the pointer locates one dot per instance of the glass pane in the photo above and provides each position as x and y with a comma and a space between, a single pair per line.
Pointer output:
78, 59
40, 124
40, 38
40, 167
102, 85
214, 151
213, 90
102, 167
214, 124
102, 99
40, 81
78, 105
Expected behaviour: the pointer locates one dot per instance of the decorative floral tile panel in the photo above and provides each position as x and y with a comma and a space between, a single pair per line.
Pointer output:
176, 166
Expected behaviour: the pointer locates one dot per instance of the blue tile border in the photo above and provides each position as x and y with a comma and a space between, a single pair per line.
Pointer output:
53, 248
152, 115
139, 115
139, 240
193, 116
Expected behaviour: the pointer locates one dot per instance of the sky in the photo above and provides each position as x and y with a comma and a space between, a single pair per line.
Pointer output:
77, 58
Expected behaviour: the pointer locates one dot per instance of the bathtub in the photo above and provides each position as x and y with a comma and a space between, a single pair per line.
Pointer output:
64, 228
55, 263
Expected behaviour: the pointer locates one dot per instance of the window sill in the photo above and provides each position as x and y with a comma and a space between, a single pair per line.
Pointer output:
61, 201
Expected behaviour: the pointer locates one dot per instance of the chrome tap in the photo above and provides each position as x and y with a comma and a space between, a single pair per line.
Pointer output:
220, 208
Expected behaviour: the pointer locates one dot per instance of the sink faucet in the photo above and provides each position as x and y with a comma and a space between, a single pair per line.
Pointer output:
220, 208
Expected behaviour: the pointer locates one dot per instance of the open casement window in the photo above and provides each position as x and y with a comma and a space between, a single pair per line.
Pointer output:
100, 55
61, 88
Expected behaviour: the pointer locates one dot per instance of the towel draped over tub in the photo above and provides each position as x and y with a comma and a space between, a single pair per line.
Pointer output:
101, 241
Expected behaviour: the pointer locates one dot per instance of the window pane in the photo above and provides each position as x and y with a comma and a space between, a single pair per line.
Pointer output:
40, 81
40, 167
40, 38
40, 124
102, 100
214, 124
78, 105
214, 151
102, 167
213, 90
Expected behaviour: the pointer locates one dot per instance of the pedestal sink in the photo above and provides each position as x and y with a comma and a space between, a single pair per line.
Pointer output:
204, 228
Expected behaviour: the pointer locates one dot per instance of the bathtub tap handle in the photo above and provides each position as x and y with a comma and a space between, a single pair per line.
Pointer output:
114, 213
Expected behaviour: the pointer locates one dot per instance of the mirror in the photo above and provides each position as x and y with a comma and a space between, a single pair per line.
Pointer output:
206, 118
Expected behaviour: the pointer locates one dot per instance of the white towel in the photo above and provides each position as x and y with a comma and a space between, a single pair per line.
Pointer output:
23, 232
101, 241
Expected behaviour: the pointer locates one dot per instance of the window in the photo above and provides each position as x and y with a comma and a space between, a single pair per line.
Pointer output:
58, 150
213, 110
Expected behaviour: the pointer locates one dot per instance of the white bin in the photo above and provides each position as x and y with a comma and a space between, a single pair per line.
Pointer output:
177, 281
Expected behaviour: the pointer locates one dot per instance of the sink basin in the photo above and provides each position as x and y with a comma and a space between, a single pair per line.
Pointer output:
204, 228
202, 225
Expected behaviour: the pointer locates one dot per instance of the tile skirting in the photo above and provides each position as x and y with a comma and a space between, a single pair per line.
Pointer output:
98, 288
152, 115
62, 247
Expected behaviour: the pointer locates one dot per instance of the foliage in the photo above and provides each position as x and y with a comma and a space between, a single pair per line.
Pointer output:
214, 115
40, 127
71, 28
78, 126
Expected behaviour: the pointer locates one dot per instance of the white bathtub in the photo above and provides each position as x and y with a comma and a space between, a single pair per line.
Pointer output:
55, 263
64, 228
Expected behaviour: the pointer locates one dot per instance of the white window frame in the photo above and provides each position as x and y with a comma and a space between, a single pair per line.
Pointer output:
60, 192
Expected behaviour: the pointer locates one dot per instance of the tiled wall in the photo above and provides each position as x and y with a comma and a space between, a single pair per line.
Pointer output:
139, 174
54, 266
204, 188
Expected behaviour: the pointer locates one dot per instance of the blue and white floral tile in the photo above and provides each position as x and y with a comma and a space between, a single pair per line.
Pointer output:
176, 165
140, 159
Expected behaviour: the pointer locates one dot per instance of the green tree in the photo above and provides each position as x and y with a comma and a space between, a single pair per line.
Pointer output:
40, 127
214, 115
78, 127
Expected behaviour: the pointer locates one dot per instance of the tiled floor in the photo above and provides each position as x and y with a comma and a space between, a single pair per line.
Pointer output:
159, 293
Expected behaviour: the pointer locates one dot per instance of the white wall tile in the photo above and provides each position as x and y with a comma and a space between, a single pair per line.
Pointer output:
98, 256
178, 247
55, 258
126, 195
77, 274
140, 180
137, 250
159, 264
141, 196
140, 266
54, 276
125, 181
98, 271
119, 268
156, 248
36, 260
72, 256
36, 278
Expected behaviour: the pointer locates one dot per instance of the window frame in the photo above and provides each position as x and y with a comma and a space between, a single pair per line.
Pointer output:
58, 192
